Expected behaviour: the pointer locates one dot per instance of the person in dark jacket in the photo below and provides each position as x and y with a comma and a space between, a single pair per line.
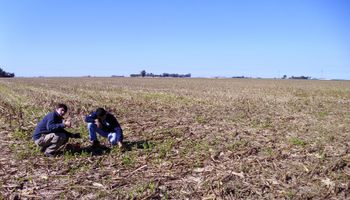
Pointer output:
105, 124
50, 134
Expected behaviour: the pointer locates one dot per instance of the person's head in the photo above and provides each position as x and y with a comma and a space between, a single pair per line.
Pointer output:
61, 109
101, 113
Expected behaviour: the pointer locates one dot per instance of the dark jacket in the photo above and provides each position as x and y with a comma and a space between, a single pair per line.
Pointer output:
108, 125
51, 123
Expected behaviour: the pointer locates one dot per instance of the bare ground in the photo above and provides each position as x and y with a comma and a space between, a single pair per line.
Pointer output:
185, 139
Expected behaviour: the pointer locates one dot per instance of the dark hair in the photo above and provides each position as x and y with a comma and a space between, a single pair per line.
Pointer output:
100, 112
61, 105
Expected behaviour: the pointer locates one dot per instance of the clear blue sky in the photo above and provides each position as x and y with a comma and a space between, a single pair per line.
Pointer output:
257, 38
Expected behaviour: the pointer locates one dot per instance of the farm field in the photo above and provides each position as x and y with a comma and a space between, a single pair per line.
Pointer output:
185, 139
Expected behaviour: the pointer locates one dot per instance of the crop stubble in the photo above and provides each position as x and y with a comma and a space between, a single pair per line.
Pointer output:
186, 138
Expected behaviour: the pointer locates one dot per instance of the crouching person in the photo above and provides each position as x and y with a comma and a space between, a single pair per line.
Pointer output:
50, 134
105, 124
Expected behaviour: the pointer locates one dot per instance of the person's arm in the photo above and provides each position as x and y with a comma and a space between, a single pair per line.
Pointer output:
72, 135
118, 130
69, 134
113, 122
52, 125
91, 118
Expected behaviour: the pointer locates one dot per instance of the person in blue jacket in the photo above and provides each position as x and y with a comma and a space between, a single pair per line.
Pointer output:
105, 124
50, 134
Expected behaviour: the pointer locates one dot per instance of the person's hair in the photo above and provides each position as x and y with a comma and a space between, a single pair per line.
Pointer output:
61, 105
100, 112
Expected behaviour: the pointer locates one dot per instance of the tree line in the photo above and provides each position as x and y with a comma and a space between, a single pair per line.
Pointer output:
143, 73
6, 74
296, 77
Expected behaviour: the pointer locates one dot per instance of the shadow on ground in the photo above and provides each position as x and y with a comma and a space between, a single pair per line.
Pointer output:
142, 144
94, 151
75, 148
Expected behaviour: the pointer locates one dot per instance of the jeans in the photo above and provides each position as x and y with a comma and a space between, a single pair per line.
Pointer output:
113, 137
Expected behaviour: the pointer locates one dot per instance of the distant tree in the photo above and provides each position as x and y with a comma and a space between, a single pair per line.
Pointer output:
284, 77
239, 77
143, 73
165, 74
300, 77
6, 74
150, 75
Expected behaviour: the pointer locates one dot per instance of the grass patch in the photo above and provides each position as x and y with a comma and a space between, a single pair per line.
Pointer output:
297, 141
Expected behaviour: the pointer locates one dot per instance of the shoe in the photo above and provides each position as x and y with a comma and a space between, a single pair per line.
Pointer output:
49, 155
121, 147
118, 144
42, 149
95, 144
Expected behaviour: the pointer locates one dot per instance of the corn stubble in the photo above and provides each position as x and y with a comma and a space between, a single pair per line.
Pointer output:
185, 139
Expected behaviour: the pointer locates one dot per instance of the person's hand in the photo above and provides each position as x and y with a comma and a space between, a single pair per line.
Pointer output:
98, 123
76, 135
67, 123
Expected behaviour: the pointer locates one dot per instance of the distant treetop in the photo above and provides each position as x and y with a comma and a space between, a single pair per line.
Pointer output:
6, 74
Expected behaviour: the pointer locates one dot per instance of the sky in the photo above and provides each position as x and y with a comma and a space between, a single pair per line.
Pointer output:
207, 38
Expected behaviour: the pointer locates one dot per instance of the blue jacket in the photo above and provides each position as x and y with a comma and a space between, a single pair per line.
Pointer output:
51, 123
110, 124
